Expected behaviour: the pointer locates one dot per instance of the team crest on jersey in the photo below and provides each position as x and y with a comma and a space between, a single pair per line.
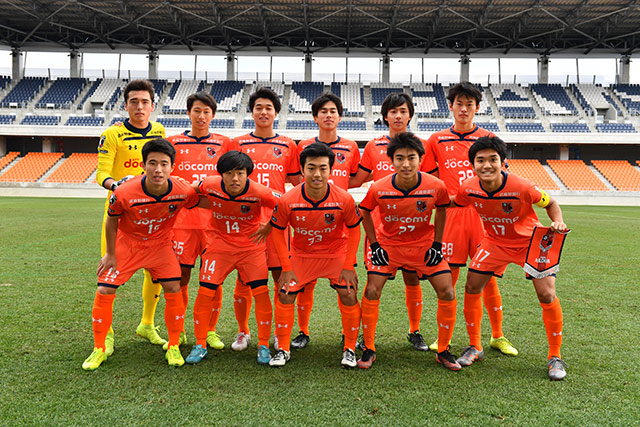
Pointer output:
340, 157
275, 209
546, 242
211, 152
277, 152
507, 207
329, 218
101, 142
112, 199
245, 208
421, 205
173, 208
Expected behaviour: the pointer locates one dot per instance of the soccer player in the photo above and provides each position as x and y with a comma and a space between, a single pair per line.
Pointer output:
448, 159
141, 214
196, 152
119, 158
505, 205
326, 235
327, 112
397, 110
275, 158
405, 238
235, 242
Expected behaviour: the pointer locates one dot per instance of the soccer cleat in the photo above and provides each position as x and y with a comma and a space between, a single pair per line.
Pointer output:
94, 360
469, 355
556, 368
416, 339
280, 358
214, 341
198, 352
276, 346
241, 342
109, 344
182, 340
367, 359
150, 333
446, 359
349, 359
300, 341
504, 346
264, 355
360, 344
434, 346
174, 357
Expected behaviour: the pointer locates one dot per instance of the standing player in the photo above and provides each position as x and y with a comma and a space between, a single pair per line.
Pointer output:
119, 158
141, 214
448, 159
235, 242
505, 204
327, 113
196, 152
397, 110
326, 235
405, 238
275, 158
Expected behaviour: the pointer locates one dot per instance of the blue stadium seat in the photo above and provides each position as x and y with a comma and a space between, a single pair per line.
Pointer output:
23, 92
84, 121
33, 120
615, 128
524, 127
570, 127
62, 93
7, 119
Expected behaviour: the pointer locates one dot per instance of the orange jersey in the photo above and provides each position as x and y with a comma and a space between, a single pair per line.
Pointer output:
197, 158
405, 216
346, 162
507, 213
319, 228
147, 217
447, 152
235, 218
273, 158
375, 159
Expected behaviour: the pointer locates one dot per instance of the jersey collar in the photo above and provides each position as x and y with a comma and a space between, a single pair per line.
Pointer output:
504, 183
198, 139
242, 193
405, 192
329, 143
263, 139
463, 135
134, 129
319, 202
160, 197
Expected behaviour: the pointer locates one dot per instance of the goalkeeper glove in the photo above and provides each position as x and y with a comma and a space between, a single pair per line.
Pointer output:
434, 255
119, 183
379, 256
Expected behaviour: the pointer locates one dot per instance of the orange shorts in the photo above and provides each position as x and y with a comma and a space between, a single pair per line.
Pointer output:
410, 259
188, 244
463, 232
131, 255
308, 270
493, 259
217, 265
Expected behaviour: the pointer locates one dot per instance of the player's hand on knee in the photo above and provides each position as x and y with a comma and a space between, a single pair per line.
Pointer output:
379, 256
108, 261
350, 279
286, 280
434, 255
122, 181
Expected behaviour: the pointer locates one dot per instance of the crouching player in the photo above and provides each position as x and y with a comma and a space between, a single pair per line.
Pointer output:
326, 234
235, 241
142, 212
405, 238
505, 204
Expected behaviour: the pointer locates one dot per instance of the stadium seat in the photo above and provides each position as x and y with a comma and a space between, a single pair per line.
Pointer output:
76, 169
228, 94
615, 128
23, 92
576, 175
429, 100
8, 158
303, 94
553, 100
570, 127
379, 92
34, 120
84, 121
430, 126
352, 96
629, 95
7, 119
31, 167
532, 170
512, 101
620, 173
62, 93
524, 126
176, 102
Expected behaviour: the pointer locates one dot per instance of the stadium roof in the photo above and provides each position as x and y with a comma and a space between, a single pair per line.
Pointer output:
403, 27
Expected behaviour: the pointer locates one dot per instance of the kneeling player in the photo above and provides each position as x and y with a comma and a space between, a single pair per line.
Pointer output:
326, 234
405, 238
235, 241
505, 204
142, 212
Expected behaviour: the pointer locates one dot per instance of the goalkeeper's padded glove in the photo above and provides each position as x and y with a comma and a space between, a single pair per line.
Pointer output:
379, 256
119, 183
434, 255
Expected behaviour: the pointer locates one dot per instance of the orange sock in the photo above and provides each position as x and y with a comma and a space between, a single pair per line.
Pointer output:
413, 299
455, 273
242, 299
215, 309
350, 324
493, 303
552, 318
284, 317
264, 314
101, 318
174, 316
370, 314
305, 305
446, 317
202, 313
473, 318
184, 291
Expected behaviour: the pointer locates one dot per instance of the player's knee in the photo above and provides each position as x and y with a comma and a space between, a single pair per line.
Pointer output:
446, 293
546, 296
106, 290
372, 293
171, 287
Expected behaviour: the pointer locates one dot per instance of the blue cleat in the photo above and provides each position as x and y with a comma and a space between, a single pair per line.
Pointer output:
264, 355
197, 354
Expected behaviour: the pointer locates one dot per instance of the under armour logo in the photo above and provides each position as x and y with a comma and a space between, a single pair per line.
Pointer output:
301, 218
156, 296
365, 326
391, 206
354, 329
478, 205
215, 309
196, 322
497, 308
239, 300
418, 303
180, 317
143, 210
283, 326
251, 150
265, 323
557, 334
301, 307
449, 148
444, 326
470, 324
184, 151
96, 320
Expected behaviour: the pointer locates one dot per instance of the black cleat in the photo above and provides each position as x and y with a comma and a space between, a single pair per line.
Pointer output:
416, 339
300, 341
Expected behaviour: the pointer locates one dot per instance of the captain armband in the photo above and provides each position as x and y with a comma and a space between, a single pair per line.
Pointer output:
544, 199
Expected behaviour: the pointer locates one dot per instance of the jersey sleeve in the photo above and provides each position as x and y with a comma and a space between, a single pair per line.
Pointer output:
202, 186
461, 197
429, 164
442, 196
352, 217
294, 160
269, 198
355, 163
280, 216
116, 207
538, 197
368, 203
107, 148
366, 163
193, 198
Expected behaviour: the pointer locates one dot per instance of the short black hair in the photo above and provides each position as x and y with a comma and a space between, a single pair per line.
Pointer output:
405, 140
234, 160
317, 149
159, 145
466, 89
140, 84
323, 99
395, 100
488, 142
267, 93
203, 97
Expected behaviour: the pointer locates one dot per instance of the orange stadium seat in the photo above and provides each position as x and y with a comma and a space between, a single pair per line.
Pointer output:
532, 170
31, 167
620, 173
76, 169
8, 159
576, 175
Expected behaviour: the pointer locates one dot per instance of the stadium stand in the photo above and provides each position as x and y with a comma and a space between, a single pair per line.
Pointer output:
485, 109
277, 87
33, 120
427, 126
576, 175
429, 100
303, 94
524, 126
570, 127
4, 81
62, 93
31, 167
8, 158
23, 92
158, 87
512, 101
176, 102
615, 128
591, 97
490, 126
620, 173
102, 92
7, 119
352, 96
383, 127
84, 121
613, 104
553, 100
379, 92
76, 169
250, 124
629, 94
301, 124
534, 171
228, 94
352, 125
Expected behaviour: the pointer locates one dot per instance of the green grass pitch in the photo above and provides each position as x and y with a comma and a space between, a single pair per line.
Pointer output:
49, 251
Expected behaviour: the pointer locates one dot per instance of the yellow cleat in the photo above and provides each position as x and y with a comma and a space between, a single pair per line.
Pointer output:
182, 340
214, 341
150, 333
504, 346
174, 357
434, 346
109, 344
94, 360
